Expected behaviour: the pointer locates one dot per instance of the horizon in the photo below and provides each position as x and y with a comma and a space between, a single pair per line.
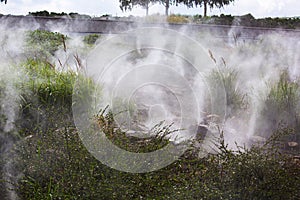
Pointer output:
154, 14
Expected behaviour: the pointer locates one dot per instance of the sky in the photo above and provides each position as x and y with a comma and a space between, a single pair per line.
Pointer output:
258, 8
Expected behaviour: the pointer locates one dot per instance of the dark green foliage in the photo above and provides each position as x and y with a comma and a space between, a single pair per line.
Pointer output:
63, 14
54, 14
44, 13
79, 16
291, 23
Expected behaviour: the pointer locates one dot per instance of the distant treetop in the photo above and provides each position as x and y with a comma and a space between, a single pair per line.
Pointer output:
205, 3
63, 14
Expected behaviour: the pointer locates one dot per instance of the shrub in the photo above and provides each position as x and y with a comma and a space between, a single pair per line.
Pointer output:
91, 39
43, 44
177, 19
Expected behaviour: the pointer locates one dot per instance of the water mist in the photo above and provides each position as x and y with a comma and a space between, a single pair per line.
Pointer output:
148, 75
193, 79
11, 48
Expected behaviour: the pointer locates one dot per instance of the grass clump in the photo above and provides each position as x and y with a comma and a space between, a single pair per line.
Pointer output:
227, 99
284, 95
47, 92
48, 84
281, 108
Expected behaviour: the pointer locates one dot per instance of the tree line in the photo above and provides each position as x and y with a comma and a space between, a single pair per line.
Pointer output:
130, 4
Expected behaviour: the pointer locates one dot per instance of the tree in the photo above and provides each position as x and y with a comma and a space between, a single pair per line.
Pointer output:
5, 1
166, 3
205, 3
129, 4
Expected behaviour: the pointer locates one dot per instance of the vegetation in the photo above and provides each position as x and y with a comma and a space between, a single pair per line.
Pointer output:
43, 44
56, 165
245, 20
63, 14
177, 19
91, 39
225, 92
128, 5
281, 108
166, 4
59, 167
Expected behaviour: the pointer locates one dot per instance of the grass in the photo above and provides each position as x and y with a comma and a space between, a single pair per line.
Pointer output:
226, 98
47, 91
50, 85
284, 94
60, 167
281, 107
